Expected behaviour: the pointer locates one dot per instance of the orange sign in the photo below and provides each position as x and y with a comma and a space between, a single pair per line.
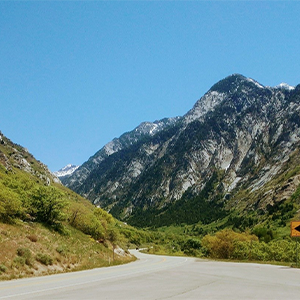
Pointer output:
295, 228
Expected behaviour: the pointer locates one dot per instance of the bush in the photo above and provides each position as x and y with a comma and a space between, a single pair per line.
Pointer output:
83, 219
19, 262
260, 251
61, 250
242, 250
282, 250
225, 243
264, 234
33, 238
10, 205
229, 244
44, 259
26, 254
47, 204
3, 268
191, 246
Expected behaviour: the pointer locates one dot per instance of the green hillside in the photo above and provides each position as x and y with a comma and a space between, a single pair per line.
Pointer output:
46, 228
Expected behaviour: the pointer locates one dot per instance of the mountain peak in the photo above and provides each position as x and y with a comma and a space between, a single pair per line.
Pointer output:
232, 82
218, 92
66, 171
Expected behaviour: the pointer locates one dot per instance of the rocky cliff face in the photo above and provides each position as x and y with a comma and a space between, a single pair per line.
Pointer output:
238, 139
127, 140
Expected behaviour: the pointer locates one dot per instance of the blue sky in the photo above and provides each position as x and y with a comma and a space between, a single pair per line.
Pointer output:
76, 74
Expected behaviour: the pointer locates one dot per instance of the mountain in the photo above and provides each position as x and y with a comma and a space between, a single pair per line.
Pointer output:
14, 156
128, 139
235, 153
66, 171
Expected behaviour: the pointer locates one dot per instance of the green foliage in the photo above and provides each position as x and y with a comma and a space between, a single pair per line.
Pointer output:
227, 244
282, 211
45, 259
47, 204
190, 246
223, 244
62, 250
241, 222
296, 196
137, 237
22, 197
88, 220
3, 268
264, 234
190, 209
10, 205
112, 235
18, 262
26, 254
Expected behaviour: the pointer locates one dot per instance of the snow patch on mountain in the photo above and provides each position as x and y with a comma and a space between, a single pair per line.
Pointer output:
66, 171
285, 86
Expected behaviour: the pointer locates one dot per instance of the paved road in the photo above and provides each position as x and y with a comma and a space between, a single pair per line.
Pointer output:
163, 277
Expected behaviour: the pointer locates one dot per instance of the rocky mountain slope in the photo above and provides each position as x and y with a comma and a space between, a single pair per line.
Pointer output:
146, 129
15, 156
236, 149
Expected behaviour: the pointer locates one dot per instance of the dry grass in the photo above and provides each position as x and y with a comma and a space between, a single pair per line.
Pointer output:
75, 251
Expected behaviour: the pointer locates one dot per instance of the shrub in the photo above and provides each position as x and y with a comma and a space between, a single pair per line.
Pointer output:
191, 246
10, 205
26, 254
229, 244
86, 221
61, 250
47, 204
45, 259
19, 262
264, 234
3, 268
282, 250
259, 251
242, 250
33, 238
224, 243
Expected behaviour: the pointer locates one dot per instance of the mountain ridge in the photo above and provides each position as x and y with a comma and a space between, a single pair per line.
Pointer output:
67, 170
125, 140
241, 131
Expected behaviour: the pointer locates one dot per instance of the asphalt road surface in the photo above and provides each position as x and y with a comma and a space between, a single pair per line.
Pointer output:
163, 277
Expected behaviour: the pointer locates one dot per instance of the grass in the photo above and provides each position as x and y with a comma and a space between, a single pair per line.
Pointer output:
32, 249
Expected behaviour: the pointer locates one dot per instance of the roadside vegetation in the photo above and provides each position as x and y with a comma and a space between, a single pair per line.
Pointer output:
49, 229
228, 244
32, 250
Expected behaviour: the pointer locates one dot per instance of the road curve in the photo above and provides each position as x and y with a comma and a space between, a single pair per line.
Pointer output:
163, 277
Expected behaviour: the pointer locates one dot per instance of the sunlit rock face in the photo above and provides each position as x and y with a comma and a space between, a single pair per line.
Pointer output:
241, 129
